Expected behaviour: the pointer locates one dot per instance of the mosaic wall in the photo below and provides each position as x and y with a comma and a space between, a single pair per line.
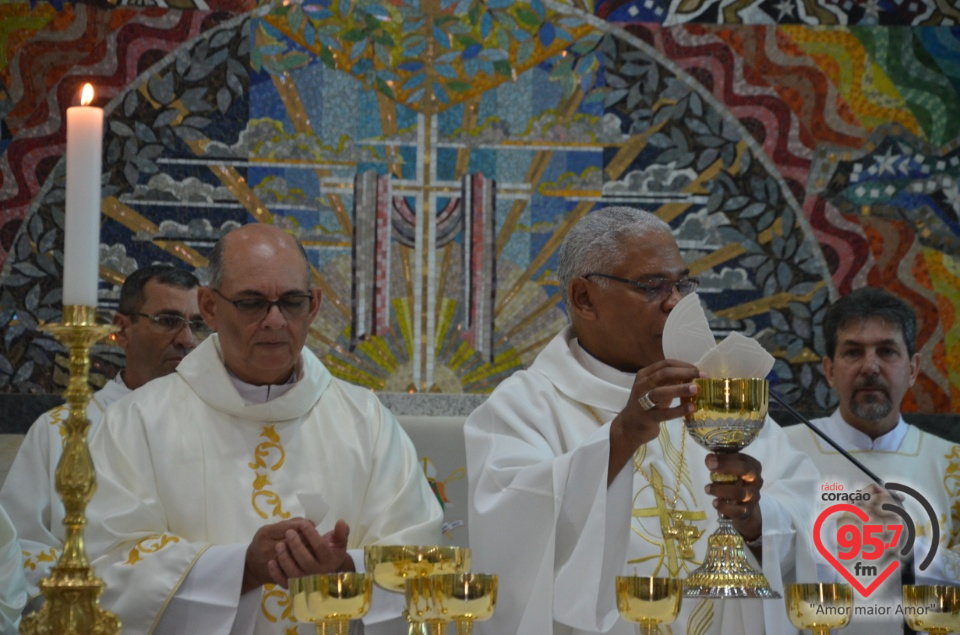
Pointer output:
432, 155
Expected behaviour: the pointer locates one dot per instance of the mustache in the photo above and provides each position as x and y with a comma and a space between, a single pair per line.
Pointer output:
870, 382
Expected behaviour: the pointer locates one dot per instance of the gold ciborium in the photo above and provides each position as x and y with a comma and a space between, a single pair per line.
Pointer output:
730, 414
392, 565
331, 600
467, 598
425, 604
649, 601
932, 608
819, 607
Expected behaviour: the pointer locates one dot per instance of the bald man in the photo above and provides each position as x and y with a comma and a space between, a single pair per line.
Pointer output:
250, 465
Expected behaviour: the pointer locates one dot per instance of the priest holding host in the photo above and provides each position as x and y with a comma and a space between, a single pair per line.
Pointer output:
249, 465
871, 362
581, 470
159, 324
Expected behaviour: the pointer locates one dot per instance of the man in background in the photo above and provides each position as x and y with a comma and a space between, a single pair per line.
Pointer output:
871, 363
249, 465
159, 323
581, 470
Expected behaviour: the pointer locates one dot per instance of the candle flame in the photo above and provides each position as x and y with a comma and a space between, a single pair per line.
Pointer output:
86, 95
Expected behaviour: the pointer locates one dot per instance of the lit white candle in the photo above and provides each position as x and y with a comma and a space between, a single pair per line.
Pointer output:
81, 249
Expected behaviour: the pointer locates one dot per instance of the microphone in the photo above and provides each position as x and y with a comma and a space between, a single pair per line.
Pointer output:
906, 571
836, 446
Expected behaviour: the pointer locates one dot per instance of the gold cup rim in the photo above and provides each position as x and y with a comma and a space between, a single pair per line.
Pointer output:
388, 553
307, 583
655, 584
843, 587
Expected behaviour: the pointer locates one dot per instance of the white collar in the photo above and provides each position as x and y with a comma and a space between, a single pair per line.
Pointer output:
253, 394
581, 377
852, 439
598, 368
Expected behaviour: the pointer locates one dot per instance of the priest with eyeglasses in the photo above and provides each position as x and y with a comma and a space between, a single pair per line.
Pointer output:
580, 469
250, 465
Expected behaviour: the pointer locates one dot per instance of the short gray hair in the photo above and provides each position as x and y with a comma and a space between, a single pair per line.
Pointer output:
595, 244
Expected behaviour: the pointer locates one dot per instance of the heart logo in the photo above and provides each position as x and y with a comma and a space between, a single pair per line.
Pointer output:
862, 515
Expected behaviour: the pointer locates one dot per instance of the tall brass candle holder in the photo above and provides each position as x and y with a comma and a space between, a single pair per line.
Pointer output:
730, 414
71, 591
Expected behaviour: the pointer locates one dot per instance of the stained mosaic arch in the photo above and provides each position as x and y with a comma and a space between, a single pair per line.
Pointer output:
431, 157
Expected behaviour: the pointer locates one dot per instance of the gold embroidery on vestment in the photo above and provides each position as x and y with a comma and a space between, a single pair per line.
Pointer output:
31, 560
261, 482
275, 603
150, 544
263, 450
273, 599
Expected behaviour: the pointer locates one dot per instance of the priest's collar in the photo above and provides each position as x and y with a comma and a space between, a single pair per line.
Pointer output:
852, 439
598, 368
253, 394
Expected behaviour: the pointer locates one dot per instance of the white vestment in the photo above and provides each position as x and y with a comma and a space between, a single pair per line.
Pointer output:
13, 586
29, 492
188, 472
905, 455
544, 519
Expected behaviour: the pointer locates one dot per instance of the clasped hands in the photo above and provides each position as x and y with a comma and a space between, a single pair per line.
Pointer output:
653, 400
294, 548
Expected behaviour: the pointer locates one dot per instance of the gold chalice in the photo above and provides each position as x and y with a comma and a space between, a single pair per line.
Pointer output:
649, 601
467, 598
425, 604
819, 607
331, 600
730, 414
392, 565
932, 608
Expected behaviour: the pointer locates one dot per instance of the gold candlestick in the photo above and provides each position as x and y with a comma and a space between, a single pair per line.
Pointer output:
71, 591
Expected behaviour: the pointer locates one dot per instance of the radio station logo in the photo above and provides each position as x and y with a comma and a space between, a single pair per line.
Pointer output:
861, 547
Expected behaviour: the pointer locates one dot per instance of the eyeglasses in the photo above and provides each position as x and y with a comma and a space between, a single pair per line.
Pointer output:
291, 305
173, 323
657, 289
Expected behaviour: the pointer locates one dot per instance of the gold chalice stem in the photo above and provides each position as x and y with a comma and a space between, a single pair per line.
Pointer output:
414, 628
333, 627
464, 626
726, 525
430, 627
